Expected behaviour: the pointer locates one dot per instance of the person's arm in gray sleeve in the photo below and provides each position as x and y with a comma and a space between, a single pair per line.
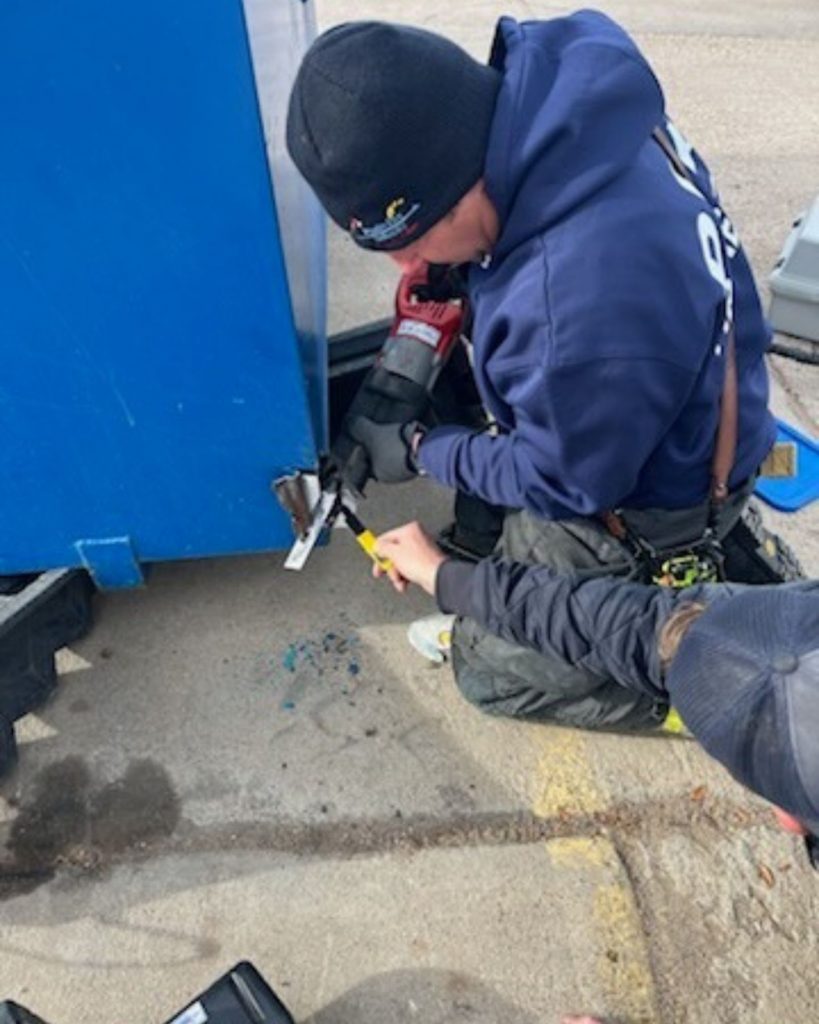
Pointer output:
607, 624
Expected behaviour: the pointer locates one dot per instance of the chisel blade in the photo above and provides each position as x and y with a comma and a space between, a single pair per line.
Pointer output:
300, 552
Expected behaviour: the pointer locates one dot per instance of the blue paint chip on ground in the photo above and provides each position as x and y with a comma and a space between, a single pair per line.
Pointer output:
330, 656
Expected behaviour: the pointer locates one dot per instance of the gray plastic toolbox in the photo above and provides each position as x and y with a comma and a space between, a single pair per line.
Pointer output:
795, 280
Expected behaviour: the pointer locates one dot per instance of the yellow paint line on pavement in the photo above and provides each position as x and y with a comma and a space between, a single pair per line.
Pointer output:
620, 953
565, 779
623, 964
566, 784
579, 852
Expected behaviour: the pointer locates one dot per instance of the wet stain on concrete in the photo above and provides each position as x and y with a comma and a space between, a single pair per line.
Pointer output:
53, 822
139, 807
68, 822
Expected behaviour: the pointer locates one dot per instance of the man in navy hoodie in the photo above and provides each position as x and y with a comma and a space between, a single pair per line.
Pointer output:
607, 287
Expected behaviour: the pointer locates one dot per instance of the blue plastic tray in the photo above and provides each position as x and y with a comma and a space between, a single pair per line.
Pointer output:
791, 493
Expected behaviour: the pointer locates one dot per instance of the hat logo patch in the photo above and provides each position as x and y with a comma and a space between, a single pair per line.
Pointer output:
397, 216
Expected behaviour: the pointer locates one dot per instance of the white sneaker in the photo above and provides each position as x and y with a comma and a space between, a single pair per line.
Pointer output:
432, 636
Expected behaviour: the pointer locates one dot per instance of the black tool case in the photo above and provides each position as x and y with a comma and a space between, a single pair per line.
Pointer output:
241, 996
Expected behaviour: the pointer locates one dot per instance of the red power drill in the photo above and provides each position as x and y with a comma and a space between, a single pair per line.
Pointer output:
430, 309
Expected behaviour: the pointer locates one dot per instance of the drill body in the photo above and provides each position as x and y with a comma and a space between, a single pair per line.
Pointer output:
428, 322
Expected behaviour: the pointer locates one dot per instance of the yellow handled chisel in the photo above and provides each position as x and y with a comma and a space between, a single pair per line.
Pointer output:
365, 538
314, 518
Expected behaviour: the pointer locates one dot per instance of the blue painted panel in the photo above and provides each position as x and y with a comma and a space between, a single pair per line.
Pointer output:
151, 380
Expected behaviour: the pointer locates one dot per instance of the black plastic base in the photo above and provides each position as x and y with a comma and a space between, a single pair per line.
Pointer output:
38, 615
8, 745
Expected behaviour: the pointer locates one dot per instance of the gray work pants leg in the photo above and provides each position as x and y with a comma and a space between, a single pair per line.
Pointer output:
504, 679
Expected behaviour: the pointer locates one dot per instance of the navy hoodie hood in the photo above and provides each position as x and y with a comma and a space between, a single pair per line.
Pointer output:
568, 120
599, 319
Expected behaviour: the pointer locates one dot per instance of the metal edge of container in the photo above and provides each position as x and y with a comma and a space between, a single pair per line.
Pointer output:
302, 222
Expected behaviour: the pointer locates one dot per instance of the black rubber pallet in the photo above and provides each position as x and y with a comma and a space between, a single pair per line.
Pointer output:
38, 616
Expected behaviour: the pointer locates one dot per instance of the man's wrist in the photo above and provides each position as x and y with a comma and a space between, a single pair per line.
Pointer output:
430, 582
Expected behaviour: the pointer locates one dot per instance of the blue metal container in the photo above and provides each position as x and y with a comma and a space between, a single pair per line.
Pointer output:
162, 341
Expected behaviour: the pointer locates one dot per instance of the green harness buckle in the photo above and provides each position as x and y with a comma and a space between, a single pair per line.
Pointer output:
686, 570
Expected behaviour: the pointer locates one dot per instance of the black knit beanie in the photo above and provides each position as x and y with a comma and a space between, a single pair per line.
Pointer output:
389, 125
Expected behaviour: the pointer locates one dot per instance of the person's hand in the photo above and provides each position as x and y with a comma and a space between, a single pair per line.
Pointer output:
580, 1020
414, 555
789, 823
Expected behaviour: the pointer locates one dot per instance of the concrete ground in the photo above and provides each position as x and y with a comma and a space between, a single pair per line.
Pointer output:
242, 763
